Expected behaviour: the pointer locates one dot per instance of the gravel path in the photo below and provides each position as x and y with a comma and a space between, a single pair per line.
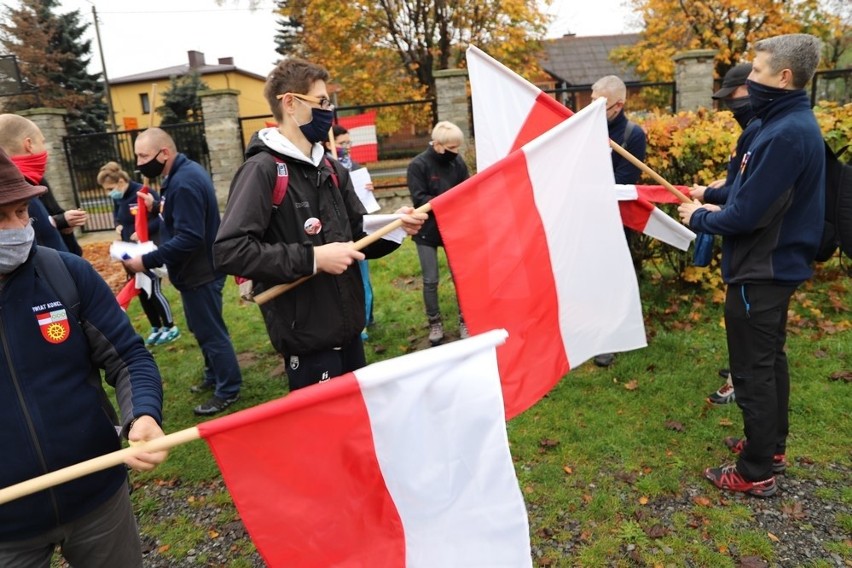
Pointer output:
800, 520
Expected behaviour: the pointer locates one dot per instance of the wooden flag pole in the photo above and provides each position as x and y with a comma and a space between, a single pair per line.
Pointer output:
93, 465
642, 166
332, 145
276, 291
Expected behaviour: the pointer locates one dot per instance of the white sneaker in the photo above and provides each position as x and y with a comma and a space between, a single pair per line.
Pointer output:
152, 338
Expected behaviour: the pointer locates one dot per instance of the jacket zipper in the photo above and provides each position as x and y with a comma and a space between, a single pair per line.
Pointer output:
30, 425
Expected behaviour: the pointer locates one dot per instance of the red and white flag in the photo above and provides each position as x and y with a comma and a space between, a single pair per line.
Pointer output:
362, 131
509, 111
404, 463
536, 247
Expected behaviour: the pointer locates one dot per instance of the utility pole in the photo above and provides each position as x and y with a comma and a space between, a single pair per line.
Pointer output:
107, 92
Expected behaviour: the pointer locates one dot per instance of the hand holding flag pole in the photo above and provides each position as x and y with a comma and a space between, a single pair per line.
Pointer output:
360, 244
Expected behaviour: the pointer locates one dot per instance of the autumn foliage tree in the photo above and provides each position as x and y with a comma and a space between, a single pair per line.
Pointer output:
730, 27
388, 49
53, 57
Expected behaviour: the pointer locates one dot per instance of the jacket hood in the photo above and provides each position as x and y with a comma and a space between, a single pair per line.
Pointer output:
270, 139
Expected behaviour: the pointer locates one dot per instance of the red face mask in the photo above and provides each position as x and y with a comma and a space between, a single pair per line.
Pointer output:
32, 165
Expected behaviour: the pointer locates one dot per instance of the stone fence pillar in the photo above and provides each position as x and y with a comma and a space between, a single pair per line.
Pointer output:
694, 79
451, 89
51, 121
222, 130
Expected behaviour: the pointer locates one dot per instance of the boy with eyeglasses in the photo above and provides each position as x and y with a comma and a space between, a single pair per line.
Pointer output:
309, 231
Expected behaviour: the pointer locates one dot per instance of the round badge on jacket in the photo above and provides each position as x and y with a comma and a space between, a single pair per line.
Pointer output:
313, 226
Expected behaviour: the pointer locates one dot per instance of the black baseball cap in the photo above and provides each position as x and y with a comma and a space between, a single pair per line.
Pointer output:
735, 77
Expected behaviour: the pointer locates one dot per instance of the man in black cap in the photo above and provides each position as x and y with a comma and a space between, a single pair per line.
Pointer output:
51, 398
734, 95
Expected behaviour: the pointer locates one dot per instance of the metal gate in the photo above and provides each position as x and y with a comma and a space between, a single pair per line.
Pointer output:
86, 153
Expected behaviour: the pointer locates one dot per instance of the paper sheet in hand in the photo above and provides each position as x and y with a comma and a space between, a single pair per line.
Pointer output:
360, 179
120, 250
373, 223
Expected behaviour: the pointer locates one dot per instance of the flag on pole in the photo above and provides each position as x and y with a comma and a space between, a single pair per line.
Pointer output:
404, 463
536, 246
641, 215
509, 111
362, 131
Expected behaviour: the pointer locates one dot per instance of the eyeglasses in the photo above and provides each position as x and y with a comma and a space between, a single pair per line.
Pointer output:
323, 102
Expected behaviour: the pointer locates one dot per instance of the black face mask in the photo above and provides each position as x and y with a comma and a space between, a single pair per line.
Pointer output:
317, 129
152, 168
741, 108
761, 96
448, 156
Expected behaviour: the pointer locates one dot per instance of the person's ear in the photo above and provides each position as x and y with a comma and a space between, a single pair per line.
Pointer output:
28, 145
786, 79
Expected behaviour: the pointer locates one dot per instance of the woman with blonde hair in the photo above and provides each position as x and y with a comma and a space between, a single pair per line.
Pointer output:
123, 192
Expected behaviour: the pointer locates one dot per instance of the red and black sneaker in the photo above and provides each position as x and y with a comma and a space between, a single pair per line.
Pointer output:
727, 477
736, 445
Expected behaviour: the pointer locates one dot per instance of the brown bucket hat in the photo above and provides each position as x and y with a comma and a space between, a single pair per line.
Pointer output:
13, 186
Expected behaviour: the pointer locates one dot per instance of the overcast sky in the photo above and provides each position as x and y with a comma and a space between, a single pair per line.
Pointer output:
141, 35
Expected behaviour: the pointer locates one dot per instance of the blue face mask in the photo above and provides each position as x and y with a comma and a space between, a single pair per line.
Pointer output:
116, 194
317, 129
15, 246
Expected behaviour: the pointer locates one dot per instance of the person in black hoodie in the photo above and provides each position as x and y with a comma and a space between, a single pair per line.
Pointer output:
190, 219
51, 399
24, 142
317, 325
771, 229
431, 173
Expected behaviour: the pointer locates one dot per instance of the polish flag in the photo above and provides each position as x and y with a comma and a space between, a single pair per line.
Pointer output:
536, 247
362, 131
404, 463
508, 112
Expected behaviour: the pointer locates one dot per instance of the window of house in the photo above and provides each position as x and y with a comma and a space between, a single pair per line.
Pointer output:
145, 102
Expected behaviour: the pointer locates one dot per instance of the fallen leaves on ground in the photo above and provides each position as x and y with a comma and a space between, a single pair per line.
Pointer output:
675, 425
845, 376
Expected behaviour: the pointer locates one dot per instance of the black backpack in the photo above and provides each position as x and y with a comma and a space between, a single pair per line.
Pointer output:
837, 231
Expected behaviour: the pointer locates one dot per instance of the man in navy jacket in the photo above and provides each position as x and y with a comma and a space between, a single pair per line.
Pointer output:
771, 227
52, 412
190, 217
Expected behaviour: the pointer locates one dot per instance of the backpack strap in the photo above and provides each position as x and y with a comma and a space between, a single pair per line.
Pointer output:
49, 265
334, 178
628, 132
282, 181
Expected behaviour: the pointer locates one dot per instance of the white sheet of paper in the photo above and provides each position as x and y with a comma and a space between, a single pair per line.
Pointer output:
373, 223
360, 179
120, 250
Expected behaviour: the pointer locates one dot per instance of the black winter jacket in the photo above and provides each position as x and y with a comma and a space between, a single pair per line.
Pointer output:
271, 245
429, 175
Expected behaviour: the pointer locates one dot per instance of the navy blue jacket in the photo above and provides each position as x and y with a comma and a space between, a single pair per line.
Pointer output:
46, 234
719, 195
190, 220
625, 172
51, 412
122, 216
772, 220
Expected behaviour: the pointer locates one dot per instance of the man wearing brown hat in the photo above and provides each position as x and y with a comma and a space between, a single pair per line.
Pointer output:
51, 398
734, 96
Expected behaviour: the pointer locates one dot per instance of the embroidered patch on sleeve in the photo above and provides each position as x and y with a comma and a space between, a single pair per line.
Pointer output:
54, 325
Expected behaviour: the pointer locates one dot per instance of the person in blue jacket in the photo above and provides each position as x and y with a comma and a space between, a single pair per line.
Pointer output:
190, 220
123, 192
771, 227
52, 412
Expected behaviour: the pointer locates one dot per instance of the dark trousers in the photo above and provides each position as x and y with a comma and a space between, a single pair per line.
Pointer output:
306, 370
756, 323
105, 538
203, 309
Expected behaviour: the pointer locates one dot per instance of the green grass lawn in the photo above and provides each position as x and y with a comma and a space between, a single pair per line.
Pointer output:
602, 448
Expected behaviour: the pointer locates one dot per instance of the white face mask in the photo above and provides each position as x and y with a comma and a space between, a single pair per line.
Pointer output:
15, 245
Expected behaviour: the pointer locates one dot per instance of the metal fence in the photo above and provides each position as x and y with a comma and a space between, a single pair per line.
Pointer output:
834, 85
86, 154
642, 97
403, 130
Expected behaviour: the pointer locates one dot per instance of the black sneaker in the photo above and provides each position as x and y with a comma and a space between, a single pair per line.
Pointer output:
605, 359
201, 387
215, 405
